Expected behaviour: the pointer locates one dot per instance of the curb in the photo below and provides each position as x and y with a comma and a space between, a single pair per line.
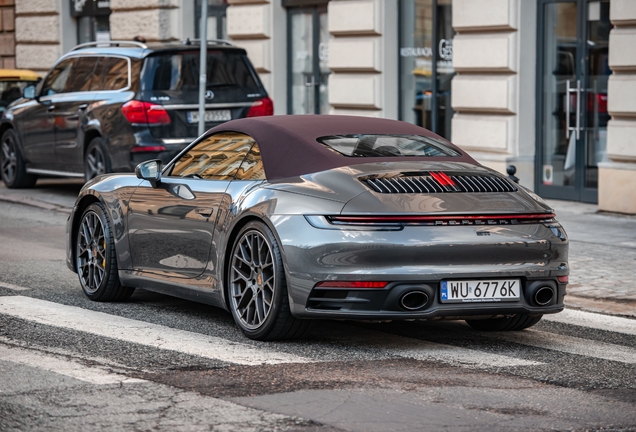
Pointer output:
35, 203
622, 308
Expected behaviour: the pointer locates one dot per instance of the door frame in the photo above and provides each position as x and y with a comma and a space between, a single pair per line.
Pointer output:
577, 192
315, 10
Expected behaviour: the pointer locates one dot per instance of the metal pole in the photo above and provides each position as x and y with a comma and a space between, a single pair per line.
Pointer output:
203, 79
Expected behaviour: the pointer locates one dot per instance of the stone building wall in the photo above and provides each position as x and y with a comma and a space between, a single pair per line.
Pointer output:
617, 178
37, 34
493, 91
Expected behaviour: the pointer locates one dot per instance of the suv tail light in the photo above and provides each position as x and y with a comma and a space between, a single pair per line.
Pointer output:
262, 107
145, 113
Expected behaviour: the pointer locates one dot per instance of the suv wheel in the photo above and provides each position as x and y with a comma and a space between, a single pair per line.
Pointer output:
14, 172
96, 160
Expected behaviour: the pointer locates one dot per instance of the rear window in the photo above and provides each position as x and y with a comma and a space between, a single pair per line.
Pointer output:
388, 145
181, 71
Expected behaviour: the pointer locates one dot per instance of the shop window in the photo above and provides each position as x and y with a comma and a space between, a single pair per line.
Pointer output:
426, 64
93, 20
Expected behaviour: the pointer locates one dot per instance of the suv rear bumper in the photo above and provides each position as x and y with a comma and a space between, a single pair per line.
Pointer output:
166, 149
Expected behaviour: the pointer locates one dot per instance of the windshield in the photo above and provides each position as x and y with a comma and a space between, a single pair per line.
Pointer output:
181, 71
12, 90
388, 145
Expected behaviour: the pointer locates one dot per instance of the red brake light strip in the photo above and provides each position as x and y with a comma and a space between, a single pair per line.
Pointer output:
432, 218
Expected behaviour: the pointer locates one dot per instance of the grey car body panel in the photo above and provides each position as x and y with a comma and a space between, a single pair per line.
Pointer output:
415, 255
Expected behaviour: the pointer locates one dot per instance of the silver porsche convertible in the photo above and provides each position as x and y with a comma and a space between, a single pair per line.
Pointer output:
285, 219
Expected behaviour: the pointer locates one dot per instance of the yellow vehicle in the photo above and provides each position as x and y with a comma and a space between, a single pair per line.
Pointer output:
13, 82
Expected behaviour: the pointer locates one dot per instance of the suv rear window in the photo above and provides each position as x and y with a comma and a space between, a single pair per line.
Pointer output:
388, 145
181, 71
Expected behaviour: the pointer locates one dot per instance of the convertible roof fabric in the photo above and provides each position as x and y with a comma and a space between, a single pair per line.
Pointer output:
289, 145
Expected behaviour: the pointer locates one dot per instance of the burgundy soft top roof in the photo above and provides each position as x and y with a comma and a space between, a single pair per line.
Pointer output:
289, 145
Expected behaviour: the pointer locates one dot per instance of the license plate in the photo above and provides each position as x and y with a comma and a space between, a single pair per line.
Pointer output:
210, 116
475, 291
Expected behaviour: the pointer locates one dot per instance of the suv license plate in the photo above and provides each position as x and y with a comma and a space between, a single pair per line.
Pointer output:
474, 291
210, 116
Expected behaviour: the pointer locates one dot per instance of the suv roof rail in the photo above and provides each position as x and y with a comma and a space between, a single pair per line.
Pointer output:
189, 41
110, 43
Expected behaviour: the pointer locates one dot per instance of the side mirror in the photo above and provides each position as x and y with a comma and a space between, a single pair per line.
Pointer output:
150, 170
29, 92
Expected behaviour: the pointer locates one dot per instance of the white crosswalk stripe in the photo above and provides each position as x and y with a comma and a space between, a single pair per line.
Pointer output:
13, 287
594, 320
129, 330
570, 345
379, 344
400, 346
62, 366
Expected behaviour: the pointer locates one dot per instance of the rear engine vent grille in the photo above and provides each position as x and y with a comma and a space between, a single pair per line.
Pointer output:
438, 182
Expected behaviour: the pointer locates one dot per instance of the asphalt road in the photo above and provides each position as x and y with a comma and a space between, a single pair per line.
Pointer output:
159, 363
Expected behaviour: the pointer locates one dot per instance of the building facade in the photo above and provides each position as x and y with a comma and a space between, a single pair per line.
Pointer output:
546, 85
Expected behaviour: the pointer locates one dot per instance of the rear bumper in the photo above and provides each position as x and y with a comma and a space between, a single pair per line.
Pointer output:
147, 147
417, 258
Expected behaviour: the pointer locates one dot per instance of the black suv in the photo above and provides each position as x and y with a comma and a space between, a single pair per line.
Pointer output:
106, 107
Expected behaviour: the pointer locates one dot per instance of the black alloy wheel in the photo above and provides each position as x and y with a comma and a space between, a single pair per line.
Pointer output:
13, 167
96, 261
96, 160
513, 323
257, 287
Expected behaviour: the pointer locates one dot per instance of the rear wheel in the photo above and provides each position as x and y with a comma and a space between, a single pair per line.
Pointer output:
13, 167
96, 160
513, 323
257, 287
96, 260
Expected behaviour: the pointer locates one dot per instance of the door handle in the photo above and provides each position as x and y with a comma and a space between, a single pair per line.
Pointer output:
82, 106
310, 82
51, 108
205, 212
577, 120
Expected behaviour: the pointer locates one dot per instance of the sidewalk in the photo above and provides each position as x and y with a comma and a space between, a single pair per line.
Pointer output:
602, 258
602, 246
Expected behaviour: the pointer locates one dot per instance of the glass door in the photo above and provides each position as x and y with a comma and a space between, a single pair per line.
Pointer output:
572, 97
308, 72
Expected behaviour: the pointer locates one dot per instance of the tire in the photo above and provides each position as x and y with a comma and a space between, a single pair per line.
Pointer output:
95, 257
513, 323
96, 160
13, 168
257, 288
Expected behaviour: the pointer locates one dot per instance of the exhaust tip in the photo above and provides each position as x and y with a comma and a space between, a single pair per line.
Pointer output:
414, 300
544, 295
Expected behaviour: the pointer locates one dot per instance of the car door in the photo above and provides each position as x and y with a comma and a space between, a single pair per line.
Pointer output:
38, 125
70, 107
171, 226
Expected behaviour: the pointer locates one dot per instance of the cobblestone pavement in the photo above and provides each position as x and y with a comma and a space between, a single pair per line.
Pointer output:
602, 253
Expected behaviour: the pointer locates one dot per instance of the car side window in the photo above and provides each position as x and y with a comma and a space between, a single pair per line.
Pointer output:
80, 76
116, 74
218, 157
96, 82
55, 81
252, 166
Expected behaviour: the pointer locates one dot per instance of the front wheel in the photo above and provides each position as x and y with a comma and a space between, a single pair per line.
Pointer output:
96, 260
513, 323
257, 287
13, 166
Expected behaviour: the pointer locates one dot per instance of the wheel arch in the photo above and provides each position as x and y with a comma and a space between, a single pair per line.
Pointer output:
89, 136
238, 225
81, 206
4, 127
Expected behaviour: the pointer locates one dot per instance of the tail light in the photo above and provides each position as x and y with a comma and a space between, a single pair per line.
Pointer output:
145, 113
352, 284
262, 107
